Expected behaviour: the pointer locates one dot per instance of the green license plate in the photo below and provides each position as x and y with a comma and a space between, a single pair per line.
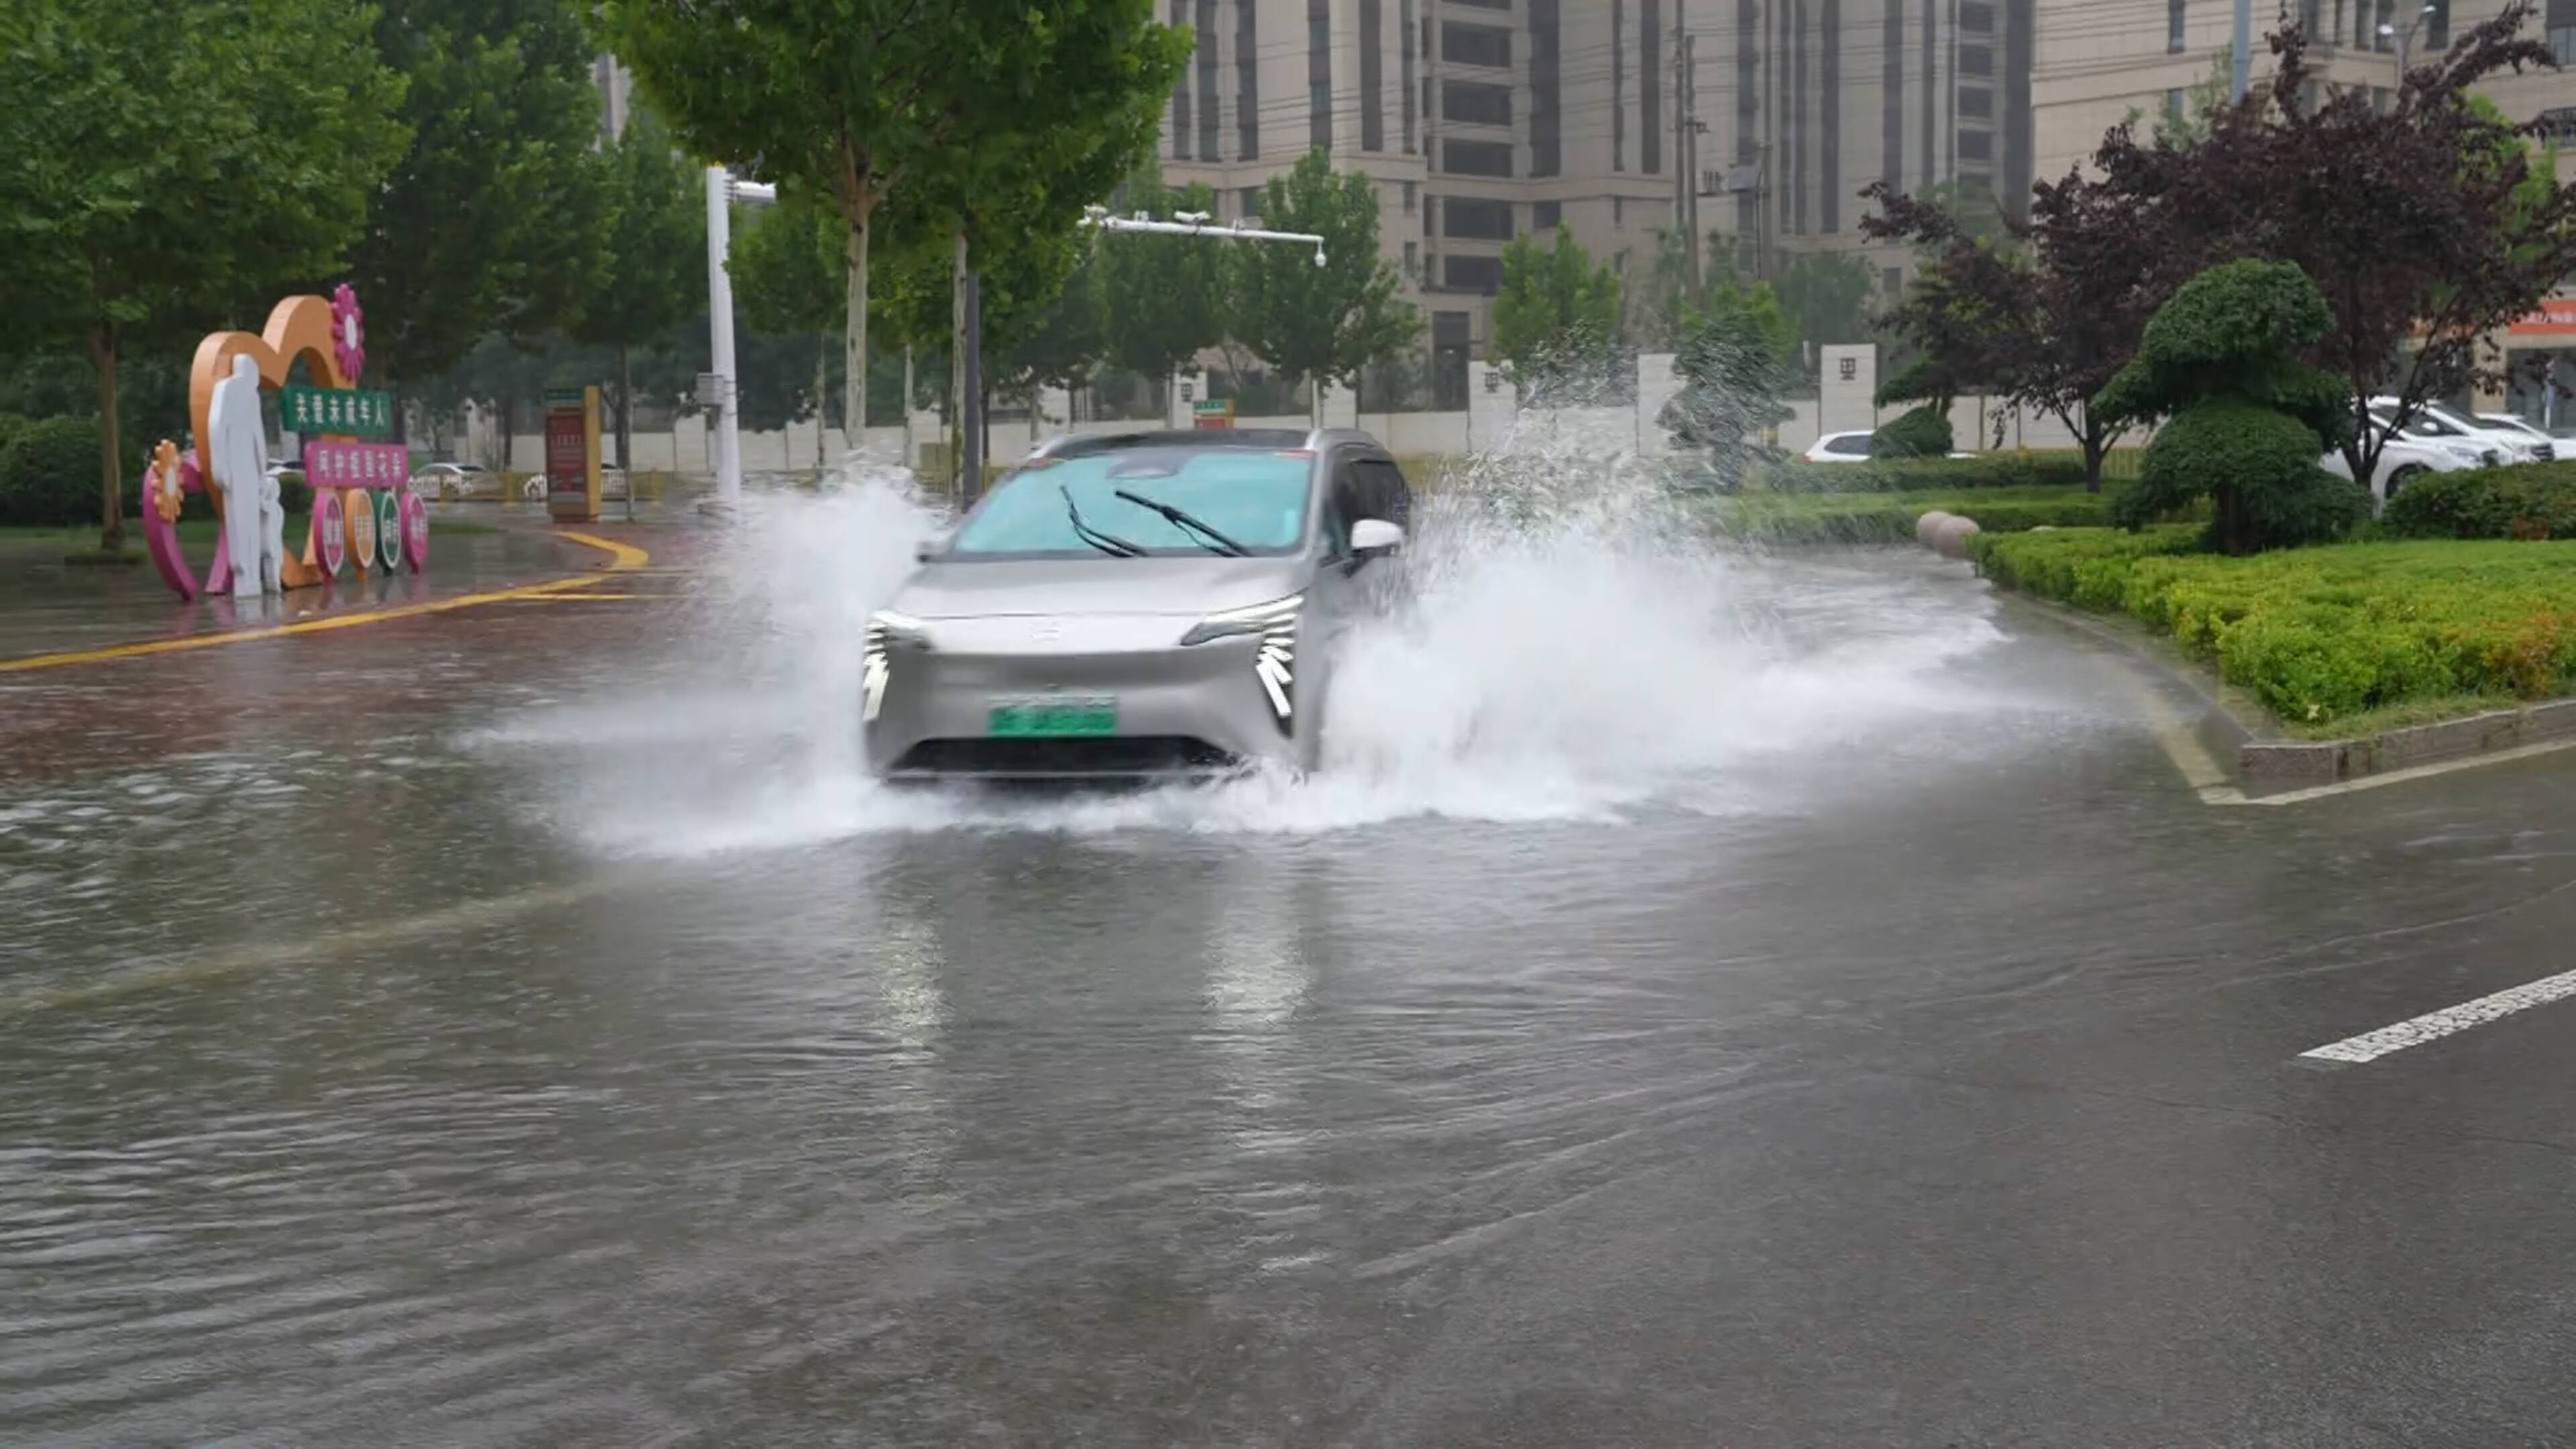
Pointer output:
1053, 719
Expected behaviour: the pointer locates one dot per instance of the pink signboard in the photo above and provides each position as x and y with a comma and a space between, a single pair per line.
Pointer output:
356, 465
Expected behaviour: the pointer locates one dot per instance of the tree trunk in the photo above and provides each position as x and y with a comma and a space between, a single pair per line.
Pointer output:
111, 481
957, 408
626, 425
2095, 446
854, 337
822, 410
508, 406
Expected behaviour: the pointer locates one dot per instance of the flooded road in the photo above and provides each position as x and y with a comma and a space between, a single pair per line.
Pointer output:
1827, 1022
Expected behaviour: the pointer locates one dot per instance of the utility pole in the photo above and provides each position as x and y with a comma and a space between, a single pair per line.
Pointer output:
1685, 194
2242, 76
722, 191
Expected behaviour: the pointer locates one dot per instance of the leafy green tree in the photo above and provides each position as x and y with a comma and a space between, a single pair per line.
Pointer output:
1825, 296
1556, 318
496, 219
1321, 323
1735, 364
867, 100
1165, 294
655, 278
2247, 419
159, 163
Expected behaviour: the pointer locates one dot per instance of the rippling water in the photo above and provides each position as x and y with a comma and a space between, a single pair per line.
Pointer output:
596, 1059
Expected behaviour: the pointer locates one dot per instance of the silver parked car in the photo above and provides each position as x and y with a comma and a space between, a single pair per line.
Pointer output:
1142, 605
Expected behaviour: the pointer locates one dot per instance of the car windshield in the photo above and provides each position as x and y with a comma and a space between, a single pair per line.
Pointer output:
1254, 498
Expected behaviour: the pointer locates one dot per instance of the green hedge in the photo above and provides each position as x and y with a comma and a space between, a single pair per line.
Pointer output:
1926, 475
1890, 517
2319, 634
49, 473
2527, 500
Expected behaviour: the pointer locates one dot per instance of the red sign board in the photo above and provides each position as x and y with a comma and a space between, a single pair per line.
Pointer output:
567, 449
2556, 318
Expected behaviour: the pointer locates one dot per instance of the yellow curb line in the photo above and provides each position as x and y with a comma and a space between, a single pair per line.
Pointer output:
621, 558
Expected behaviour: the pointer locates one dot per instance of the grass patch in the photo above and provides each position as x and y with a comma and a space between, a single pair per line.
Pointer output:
2334, 639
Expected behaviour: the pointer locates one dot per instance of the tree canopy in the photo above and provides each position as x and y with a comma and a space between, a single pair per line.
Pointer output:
1321, 323
1556, 319
131, 214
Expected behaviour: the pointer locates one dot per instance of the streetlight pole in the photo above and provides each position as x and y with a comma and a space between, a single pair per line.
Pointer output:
2241, 72
2406, 39
722, 191
1199, 223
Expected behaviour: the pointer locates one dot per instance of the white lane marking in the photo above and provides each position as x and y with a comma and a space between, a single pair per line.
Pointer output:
2434, 1025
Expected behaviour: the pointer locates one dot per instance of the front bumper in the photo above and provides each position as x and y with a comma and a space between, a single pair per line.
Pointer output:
1182, 711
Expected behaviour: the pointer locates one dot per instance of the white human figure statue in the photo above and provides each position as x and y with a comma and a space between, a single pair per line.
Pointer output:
254, 520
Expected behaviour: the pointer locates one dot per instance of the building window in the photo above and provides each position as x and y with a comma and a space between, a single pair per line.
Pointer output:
1409, 195
1476, 219
1547, 156
1372, 76
1319, 74
1475, 45
2176, 27
1251, 201
1181, 93
1476, 103
1976, 145
1976, 103
1473, 274
1977, 60
1210, 118
1485, 4
1976, 17
1413, 261
1619, 212
1411, 110
1618, 85
1546, 215
1476, 158
1650, 85
2176, 102
1891, 281
2562, 43
1247, 79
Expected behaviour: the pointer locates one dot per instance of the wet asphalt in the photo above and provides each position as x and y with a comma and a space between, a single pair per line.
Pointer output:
1941, 1086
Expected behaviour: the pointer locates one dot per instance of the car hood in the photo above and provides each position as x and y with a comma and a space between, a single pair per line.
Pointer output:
1159, 586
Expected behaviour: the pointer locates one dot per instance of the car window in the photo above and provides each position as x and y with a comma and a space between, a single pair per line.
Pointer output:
1383, 491
1257, 499
1849, 445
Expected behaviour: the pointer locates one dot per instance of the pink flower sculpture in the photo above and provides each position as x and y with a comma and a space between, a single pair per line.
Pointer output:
348, 332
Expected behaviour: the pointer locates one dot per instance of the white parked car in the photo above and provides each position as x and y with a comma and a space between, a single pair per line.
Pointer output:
2403, 458
1851, 447
2441, 427
2526, 430
456, 480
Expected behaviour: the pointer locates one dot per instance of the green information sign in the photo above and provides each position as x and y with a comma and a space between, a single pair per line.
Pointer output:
354, 412
565, 397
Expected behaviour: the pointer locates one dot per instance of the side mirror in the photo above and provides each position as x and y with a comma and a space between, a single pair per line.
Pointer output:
1373, 536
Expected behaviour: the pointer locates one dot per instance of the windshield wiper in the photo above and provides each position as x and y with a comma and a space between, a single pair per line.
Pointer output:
1108, 543
1216, 542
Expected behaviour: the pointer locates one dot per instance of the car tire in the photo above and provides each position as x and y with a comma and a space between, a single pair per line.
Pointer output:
2405, 475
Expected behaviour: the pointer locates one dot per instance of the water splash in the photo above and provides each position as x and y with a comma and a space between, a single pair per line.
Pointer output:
1576, 649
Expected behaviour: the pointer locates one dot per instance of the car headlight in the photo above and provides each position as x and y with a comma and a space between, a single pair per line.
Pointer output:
2463, 452
1258, 619
876, 661
1275, 664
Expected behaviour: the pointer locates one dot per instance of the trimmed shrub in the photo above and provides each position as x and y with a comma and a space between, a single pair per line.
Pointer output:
1925, 475
49, 473
1890, 517
2261, 467
1916, 433
2528, 500
2319, 634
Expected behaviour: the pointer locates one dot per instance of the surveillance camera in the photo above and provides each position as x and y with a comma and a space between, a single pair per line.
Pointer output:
1319, 256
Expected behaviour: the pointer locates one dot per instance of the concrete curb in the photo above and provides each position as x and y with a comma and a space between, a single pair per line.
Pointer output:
2267, 763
